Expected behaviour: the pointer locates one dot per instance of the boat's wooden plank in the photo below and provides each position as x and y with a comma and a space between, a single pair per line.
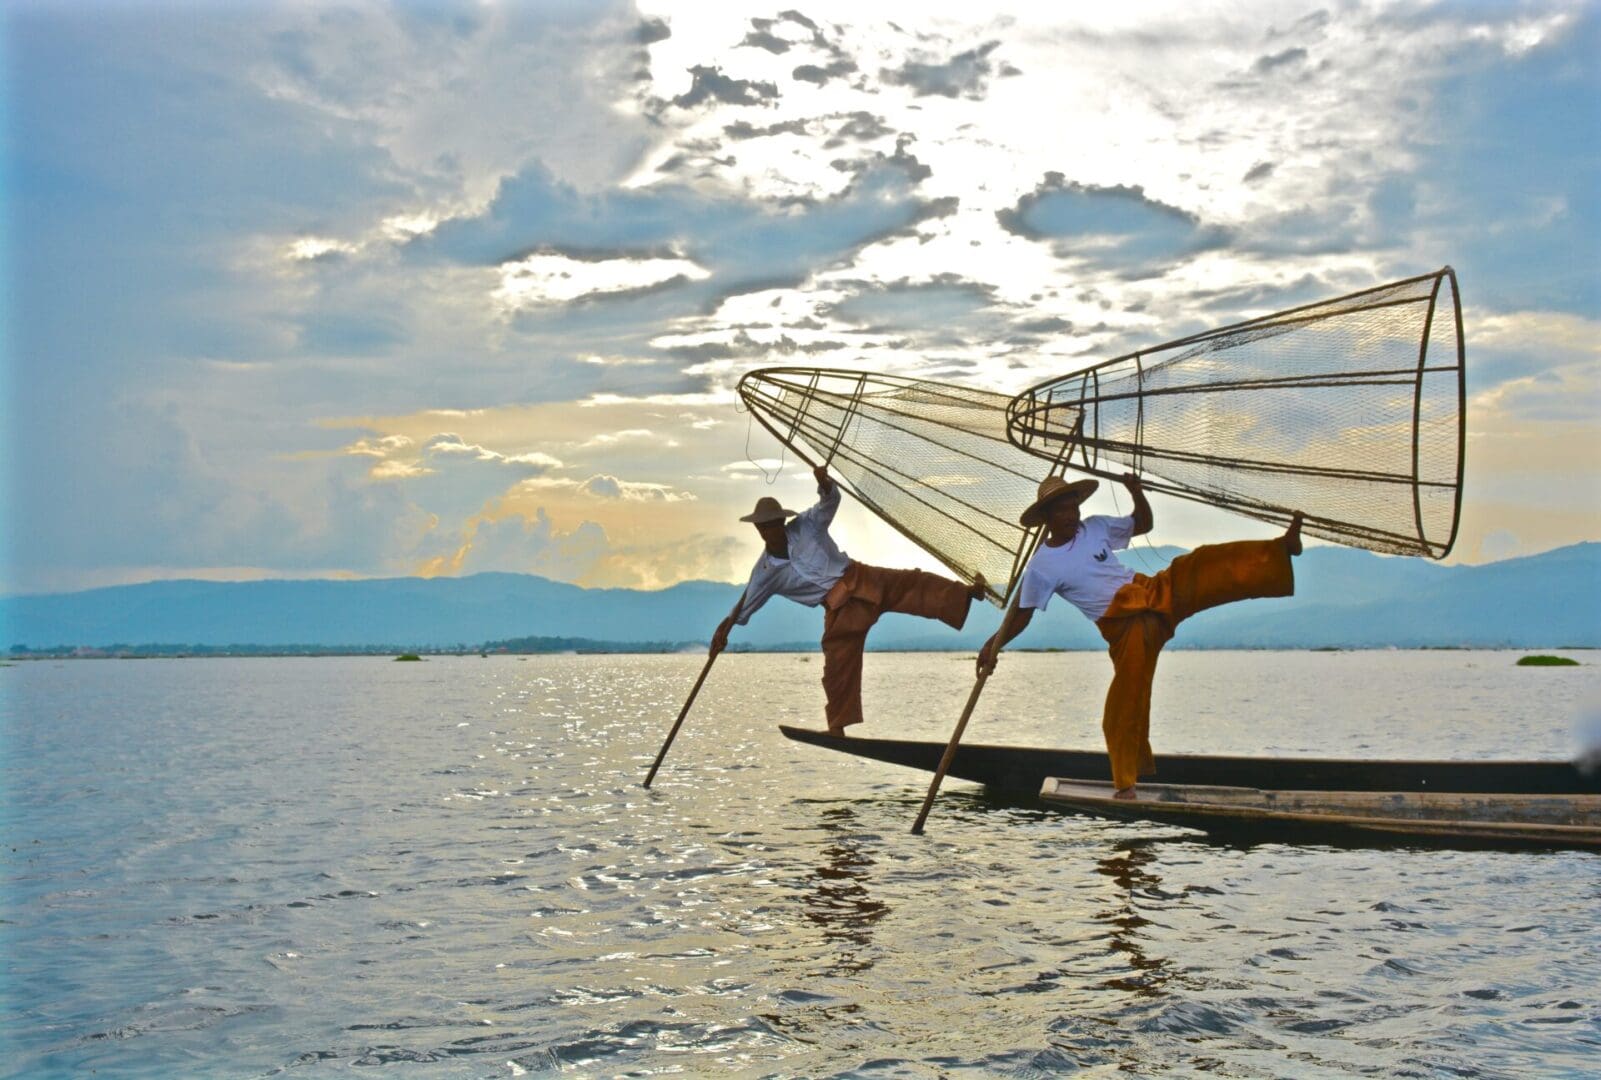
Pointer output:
1477, 806
1563, 821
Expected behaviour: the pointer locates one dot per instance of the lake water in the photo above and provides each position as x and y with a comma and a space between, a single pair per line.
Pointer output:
243, 868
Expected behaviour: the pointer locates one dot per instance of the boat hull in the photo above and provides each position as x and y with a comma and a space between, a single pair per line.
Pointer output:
1019, 771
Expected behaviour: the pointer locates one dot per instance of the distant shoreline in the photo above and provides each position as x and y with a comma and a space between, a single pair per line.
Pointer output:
689, 649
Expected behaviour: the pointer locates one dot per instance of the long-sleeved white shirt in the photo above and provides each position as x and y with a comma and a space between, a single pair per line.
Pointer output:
815, 562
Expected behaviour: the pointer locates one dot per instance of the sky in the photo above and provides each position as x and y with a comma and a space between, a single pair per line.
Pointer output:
372, 290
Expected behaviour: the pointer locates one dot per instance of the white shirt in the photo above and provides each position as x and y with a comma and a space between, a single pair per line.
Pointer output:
1083, 571
815, 562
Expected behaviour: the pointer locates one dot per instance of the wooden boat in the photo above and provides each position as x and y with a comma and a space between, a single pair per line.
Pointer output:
1551, 803
1553, 820
1019, 771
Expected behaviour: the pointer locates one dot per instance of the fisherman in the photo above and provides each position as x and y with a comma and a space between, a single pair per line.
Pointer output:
1134, 613
802, 562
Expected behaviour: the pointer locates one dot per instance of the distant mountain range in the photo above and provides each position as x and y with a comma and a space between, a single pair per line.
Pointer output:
1344, 599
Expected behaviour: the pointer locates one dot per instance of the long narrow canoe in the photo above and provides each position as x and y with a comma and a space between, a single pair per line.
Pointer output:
1020, 771
1550, 820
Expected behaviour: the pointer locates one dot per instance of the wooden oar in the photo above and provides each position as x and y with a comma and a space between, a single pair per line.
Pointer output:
956, 736
673, 734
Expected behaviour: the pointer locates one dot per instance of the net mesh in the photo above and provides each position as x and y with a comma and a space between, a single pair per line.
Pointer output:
1349, 410
932, 459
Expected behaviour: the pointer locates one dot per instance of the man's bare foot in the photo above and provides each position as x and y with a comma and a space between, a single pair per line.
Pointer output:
975, 591
1125, 793
1292, 535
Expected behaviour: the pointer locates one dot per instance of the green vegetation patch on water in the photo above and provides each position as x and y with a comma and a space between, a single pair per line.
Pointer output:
408, 656
1547, 661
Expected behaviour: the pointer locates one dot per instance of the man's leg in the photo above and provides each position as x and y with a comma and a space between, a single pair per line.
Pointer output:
916, 592
1215, 574
844, 634
1134, 643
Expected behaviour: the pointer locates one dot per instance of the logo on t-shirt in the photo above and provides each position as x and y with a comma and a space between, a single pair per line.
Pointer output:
1101, 557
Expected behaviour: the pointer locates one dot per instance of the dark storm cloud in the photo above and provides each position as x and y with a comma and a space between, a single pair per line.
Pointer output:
963, 75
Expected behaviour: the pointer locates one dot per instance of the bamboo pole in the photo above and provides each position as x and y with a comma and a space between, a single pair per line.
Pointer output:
673, 734
956, 736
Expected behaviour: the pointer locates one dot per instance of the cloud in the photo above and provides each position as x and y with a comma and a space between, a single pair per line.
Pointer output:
821, 74
965, 75
653, 30
779, 35
520, 545
399, 470
1289, 57
379, 447
603, 486
1117, 228
554, 277
636, 435
898, 306
739, 242
452, 445
587, 554
1258, 172
710, 84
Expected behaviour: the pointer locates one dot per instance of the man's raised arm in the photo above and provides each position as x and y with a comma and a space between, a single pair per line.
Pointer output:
1143, 518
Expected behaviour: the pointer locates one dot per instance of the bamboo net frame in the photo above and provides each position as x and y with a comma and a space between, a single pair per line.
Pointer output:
1349, 410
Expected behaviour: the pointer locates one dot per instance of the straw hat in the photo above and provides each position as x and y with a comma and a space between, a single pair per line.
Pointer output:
1051, 489
767, 509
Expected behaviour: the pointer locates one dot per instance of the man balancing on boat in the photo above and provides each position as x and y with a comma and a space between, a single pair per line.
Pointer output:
802, 562
1134, 613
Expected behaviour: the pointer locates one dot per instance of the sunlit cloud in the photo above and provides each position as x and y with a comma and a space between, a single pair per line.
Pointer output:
631, 435
450, 443
553, 279
380, 447
317, 247
399, 470
602, 486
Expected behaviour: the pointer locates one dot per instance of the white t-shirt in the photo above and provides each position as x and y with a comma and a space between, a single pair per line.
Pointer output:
1083, 571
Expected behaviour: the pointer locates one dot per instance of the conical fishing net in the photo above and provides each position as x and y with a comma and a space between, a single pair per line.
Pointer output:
1349, 410
931, 459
